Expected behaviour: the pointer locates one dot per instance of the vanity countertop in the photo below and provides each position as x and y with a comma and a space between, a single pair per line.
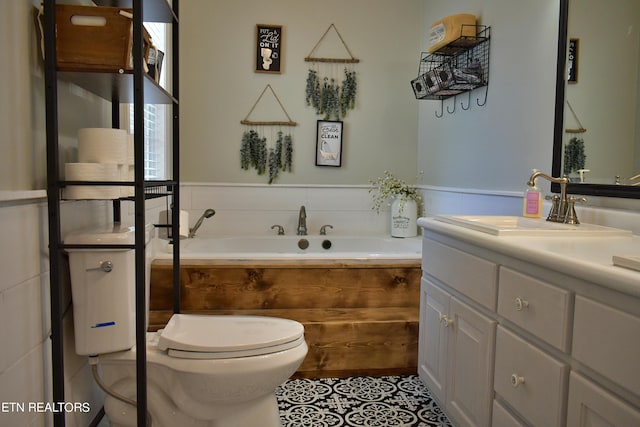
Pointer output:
588, 258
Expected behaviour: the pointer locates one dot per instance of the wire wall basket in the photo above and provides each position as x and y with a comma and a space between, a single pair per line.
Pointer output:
460, 66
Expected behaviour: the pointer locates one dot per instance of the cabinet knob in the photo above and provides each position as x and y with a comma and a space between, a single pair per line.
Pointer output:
516, 380
521, 304
445, 320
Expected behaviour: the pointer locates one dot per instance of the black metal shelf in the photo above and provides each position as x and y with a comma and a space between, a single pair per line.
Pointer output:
119, 87
458, 67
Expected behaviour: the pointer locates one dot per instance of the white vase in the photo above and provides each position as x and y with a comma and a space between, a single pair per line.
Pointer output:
404, 216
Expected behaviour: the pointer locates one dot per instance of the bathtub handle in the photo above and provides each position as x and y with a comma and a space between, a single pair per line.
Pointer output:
323, 229
280, 229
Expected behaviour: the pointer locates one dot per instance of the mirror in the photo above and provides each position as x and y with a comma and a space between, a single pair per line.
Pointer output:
601, 107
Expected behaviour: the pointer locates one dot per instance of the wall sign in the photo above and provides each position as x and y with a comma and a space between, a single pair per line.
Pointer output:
268, 48
329, 143
572, 61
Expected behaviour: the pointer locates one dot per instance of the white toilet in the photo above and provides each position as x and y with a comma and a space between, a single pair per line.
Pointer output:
202, 370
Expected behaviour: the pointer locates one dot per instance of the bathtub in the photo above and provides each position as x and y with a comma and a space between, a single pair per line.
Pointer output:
303, 247
358, 297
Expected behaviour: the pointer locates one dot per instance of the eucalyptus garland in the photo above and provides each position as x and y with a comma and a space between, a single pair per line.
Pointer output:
329, 98
574, 157
255, 154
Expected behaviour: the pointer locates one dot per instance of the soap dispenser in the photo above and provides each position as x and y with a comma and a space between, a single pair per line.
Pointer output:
532, 203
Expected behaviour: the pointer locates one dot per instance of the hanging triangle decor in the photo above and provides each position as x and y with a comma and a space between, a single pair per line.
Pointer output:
254, 150
323, 91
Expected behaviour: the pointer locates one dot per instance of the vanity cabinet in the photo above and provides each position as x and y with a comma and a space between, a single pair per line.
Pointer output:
507, 342
457, 341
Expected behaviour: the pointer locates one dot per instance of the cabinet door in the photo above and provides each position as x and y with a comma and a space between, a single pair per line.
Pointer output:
471, 349
432, 358
591, 406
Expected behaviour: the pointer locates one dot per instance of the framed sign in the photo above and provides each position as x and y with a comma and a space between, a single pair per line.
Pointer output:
268, 48
329, 143
572, 61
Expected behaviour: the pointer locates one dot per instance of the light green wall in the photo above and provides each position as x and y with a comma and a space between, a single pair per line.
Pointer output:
219, 86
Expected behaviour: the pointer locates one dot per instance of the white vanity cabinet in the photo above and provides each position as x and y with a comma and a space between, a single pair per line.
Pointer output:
457, 342
507, 341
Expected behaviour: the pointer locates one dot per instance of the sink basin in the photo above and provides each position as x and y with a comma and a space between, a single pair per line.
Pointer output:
520, 226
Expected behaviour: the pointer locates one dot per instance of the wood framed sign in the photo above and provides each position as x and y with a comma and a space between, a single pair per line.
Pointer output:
268, 48
329, 143
572, 61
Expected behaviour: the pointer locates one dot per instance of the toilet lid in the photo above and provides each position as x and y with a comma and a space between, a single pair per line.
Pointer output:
213, 337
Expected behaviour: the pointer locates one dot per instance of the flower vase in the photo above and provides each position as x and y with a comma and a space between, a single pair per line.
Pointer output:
404, 216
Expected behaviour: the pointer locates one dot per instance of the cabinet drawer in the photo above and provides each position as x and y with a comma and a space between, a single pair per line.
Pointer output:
540, 308
503, 418
531, 381
606, 339
590, 405
474, 277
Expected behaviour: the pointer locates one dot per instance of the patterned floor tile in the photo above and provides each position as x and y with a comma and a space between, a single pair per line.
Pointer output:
398, 401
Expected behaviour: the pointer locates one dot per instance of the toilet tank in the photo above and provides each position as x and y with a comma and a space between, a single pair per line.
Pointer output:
103, 289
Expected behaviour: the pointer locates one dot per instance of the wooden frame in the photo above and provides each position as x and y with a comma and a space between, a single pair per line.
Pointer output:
329, 143
572, 61
268, 49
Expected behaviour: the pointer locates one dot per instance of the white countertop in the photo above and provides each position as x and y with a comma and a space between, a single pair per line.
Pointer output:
588, 258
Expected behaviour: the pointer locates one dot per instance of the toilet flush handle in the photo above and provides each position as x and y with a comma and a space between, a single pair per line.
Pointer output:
105, 266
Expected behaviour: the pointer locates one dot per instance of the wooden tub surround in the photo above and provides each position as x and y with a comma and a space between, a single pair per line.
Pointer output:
360, 316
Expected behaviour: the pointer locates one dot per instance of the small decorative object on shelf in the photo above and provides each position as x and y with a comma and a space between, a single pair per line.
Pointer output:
406, 205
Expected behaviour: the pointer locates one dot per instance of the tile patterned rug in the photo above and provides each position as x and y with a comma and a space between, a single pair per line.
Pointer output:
358, 401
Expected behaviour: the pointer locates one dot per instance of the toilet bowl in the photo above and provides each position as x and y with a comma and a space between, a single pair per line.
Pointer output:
202, 370
209, 371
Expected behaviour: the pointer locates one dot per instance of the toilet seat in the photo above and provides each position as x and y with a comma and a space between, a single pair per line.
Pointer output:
193, 336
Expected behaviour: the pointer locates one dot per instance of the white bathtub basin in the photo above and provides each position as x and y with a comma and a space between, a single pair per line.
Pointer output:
520, 226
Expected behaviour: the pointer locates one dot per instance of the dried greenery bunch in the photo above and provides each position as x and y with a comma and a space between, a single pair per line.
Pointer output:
329, 98
255, 154
388, 186
574, 157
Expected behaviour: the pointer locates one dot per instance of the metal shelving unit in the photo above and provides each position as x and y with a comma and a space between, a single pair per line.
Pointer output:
131, 87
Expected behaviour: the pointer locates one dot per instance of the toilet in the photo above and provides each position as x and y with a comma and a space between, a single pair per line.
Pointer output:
202, 370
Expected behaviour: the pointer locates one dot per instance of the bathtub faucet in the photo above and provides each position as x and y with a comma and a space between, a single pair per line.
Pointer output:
207, 214
302, 222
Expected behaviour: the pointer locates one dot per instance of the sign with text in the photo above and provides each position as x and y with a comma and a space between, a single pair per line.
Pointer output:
268, 48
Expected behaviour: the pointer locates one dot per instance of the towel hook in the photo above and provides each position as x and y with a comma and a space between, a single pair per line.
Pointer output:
468, 102
454, 105
485, 98
441, 109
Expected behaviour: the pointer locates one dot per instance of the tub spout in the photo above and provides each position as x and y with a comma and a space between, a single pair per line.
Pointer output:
302, 222
207, 214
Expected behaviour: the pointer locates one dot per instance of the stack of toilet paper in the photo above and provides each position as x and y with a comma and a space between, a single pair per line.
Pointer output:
104, 154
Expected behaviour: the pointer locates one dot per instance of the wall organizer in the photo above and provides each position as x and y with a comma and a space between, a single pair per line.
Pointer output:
254, 150
456, 68
323, 92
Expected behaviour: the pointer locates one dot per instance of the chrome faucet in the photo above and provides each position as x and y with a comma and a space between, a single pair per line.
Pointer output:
302, 222
207, 214
561, 205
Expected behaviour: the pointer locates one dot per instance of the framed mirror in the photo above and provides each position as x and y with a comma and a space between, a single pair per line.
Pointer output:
598, 98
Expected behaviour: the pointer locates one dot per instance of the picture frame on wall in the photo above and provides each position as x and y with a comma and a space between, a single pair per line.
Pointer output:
268, 49
572, 61
329, 143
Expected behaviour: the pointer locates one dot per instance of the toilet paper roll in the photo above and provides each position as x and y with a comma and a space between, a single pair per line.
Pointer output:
165, 218
102, 145
91, 172
125, 176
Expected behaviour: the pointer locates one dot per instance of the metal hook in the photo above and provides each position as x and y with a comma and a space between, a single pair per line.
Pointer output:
454, 105
468, 103
441, 109
485, 98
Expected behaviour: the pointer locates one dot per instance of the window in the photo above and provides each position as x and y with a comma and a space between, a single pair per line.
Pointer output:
156, 117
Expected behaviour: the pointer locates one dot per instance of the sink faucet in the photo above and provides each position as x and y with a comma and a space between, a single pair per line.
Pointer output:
558, 212
302, 222
207, 214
